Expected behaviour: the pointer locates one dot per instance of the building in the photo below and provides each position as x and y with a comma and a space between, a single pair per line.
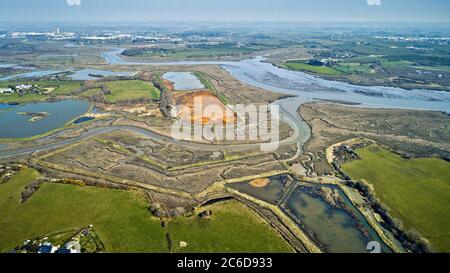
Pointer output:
24, 87
6, 91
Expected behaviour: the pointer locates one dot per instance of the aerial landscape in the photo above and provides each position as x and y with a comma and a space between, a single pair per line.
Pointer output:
210, 133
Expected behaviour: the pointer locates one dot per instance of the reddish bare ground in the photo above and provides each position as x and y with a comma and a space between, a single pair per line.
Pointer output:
259, 183
207, 98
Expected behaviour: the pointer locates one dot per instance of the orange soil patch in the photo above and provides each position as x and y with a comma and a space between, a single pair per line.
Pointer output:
260, 182
207, 98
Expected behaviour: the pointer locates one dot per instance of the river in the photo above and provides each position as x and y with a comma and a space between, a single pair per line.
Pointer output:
306, 87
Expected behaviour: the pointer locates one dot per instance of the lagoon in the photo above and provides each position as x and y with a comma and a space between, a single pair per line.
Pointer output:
335, 228
183, 80
14, 125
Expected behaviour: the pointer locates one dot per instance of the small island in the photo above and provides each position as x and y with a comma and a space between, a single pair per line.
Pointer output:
34, 116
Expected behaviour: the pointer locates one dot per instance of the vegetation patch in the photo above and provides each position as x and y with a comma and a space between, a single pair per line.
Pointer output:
416, 191
231, 227
318, 69
131, 90
42, 90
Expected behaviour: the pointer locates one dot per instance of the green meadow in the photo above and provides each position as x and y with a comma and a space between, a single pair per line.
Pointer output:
233, 227
302, 66
417, 191
120, 218
131, 90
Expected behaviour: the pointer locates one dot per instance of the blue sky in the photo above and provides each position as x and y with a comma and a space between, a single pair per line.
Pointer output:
225, 10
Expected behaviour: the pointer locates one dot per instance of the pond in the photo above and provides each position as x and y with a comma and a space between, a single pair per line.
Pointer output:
6, 106
271, 191
338, 230
183, 80
15, 123
93, 74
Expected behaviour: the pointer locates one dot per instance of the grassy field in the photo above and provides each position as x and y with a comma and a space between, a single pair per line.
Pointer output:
14, 98
232, 227
120, 91
416, 191
122, 221
131, 90
301, 66
353, 68
200, 52
120, 218
92, 92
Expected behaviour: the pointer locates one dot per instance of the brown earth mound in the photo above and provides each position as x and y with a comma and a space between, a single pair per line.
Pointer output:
260, 182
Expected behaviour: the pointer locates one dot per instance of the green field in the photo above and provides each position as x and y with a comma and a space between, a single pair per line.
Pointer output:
302, 66
224, 50
120, 91
14, 98
92, 92
120, 218
131, 90
199, 53
232, 227
416, 191
353, 68
122, 221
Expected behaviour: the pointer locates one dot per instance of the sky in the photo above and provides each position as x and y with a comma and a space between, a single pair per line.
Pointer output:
225, 10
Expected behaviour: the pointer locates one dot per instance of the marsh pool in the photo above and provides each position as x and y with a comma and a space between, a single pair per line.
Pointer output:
15, 125
183, 80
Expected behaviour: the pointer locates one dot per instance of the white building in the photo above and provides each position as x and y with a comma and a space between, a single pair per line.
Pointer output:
24, 87
6, 91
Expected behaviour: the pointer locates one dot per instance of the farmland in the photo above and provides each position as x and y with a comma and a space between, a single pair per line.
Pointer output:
131, 90
232, 227
120, 217
373, 61
221, 50
301, 66
416, 191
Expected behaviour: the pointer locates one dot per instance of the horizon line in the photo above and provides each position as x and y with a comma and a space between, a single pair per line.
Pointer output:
223, 21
